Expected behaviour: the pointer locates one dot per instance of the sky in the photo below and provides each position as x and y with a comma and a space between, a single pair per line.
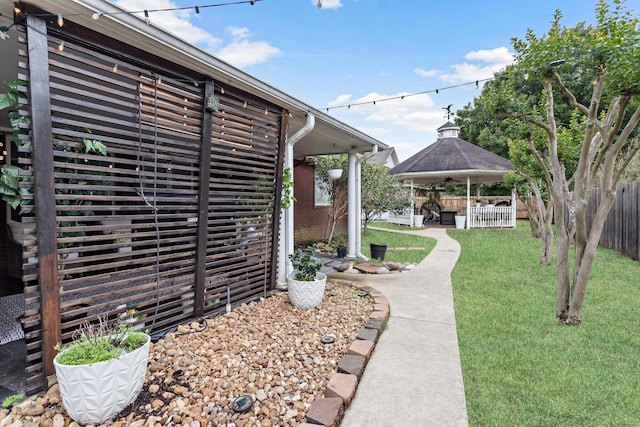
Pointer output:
348, 52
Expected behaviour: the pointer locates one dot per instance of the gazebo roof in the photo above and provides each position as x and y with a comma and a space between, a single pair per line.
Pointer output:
451, 158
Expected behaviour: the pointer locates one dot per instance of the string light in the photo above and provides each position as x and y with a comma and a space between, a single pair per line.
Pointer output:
61, 46
402, 97
115, 68
97, 14
221, 90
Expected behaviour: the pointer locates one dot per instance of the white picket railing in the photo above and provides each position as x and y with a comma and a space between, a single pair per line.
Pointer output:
492, 216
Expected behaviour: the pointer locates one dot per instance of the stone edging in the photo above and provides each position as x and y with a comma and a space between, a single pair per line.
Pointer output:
328, 410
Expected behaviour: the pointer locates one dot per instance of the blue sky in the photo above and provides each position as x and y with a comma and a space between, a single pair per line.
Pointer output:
351, 51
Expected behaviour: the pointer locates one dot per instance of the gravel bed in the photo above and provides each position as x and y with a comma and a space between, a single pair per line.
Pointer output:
267, 349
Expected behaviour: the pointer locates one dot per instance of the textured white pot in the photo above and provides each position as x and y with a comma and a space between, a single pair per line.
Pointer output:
306, 295
93, 394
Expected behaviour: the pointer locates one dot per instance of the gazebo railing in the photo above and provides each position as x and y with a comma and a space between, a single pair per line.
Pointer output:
492, 217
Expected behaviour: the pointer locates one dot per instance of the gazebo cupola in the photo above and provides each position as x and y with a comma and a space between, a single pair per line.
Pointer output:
448, 130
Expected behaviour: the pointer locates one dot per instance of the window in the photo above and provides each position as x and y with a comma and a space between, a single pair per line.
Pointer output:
321, 192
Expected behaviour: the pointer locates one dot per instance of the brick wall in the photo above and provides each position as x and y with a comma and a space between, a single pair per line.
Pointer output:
310, 221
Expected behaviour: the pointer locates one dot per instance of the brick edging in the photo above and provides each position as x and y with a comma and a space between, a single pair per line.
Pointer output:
329, 410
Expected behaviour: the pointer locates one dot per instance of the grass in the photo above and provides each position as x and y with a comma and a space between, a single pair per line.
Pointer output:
520, 367
403, 248
385, 224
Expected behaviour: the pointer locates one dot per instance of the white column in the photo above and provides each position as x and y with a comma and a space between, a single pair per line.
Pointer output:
468, 201
358, 201
353, 214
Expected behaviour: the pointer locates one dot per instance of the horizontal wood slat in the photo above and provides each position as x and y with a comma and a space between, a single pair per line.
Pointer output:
127, 222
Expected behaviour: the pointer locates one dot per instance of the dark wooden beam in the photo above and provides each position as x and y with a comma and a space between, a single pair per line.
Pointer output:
278, 199
203, 202
45, 205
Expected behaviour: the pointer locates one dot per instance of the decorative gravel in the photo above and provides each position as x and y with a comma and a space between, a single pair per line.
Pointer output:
268, 350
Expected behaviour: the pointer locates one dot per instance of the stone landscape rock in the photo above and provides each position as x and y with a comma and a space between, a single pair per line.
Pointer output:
345, 266
269, 350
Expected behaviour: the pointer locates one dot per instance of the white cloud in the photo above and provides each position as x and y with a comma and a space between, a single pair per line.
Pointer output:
499, 55
426, 73
327, 4
240, 51
176, 22
480, 64
415, 112
243, 52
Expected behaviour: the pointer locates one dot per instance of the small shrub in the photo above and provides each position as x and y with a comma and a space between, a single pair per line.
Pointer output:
305, 264
100, 342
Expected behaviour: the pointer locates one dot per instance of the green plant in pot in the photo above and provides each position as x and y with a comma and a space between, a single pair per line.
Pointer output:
339, 242
101, 371
306, 282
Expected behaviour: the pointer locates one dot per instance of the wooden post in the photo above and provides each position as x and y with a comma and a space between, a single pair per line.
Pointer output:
203, 203
273, 277
45, 206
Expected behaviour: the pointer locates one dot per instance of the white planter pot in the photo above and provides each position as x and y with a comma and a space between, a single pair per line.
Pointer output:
334, 173
93, 394
460, 219
306, 295
417, 220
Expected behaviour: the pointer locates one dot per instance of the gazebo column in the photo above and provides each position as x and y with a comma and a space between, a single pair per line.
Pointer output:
468, 202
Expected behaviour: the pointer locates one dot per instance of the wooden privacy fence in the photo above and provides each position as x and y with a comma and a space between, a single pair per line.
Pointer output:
622, 227
176, 218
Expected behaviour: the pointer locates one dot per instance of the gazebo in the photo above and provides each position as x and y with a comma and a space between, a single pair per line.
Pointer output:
451, 159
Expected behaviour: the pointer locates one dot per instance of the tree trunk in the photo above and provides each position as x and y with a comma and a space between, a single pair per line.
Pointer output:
583, 262
544, 215
562, 261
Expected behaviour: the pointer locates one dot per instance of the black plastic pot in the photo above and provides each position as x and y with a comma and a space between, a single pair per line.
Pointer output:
378, 251
342, 252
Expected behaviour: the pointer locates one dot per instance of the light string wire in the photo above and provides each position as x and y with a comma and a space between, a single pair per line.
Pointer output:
97, 14
247, 102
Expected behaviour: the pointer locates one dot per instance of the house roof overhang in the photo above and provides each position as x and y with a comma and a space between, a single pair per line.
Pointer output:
329, 136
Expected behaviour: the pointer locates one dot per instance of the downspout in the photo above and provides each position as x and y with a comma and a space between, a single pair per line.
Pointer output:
286, 220
358, 201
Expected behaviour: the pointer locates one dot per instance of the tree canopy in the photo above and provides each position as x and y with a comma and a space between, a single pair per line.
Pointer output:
569, 110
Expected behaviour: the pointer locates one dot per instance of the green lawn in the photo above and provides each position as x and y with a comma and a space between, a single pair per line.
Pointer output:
520, 367
402, 248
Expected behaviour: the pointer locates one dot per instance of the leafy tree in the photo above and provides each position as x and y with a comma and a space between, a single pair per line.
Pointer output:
336, 189
381, 193
606, 55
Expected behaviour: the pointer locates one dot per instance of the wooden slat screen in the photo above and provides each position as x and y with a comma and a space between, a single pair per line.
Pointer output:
127, 220
244, 153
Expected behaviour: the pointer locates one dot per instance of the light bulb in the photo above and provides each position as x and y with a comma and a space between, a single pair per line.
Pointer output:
147, 20
96, 15
61, 46
60, 20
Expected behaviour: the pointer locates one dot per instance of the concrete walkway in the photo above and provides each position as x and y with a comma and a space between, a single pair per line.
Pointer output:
414, 377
